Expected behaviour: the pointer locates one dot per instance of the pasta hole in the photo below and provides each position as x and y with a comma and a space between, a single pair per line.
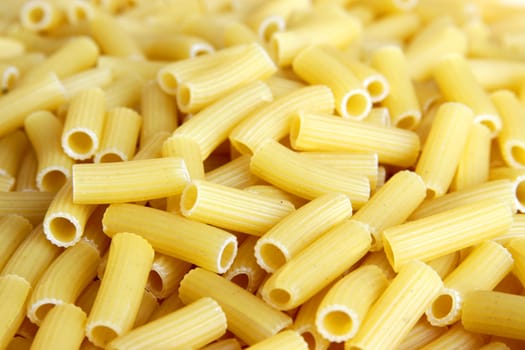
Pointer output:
155, 283
189, 199
310, 340
242, 280
430, 193
271, 26
102, 335
42, 310
9, 79
357, 105
518, 154
275, 48
407, 121
36, 14
375, 88
53, 180
80, 143
169, 82
295, 129
184, 96
520, 192
338, 323
110, 158
62, 229
227, 256
273, 256
442, 306
241, 147
280, 296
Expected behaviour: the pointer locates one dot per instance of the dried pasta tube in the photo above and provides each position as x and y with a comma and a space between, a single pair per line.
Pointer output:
192, 326
120, 67
344, 308
26, 177
15, 229
153, 147
167, 306
482, 269
231, 208
79, 263
317, 66
84, 124
45, 93
304, 322
99, 183
494, 313
174, 235
273, 120
277, 193
392, 204
9, 75
177, 47
445, 264
235, 173
165, 275
444, 147
420, 335
39, 15
112, 38
303, 177
379, 259
287, 339
317, 265
456, 336
281, 85
119, 296
316, 132
54, 166
457, 83
78, 11
502, 74
86, 299
158, 110
121, 132
87, 79
32, 257
148, 305
406, 298
517, 248
12, 149
63, 328
123, 91
15, 289
300, 228
249, 318
445, 232
517, 176
188, 149
511, 142
393, 27
401, 100
31, 205
11, 48
388, 6
238, 33
245, 271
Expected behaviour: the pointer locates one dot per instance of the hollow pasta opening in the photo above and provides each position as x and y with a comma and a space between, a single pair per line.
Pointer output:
520, 192
53, 180
227, 255
295, 129
442, 306
518, 154
309, 338
189, 198
42, 310
338, 323
110, 158
357, 105
272, 256
184, 97
101, 335
155, 282
80, 143
270, 26
407, 121
241, 279
63, 229
280, 297
168, 82
241, 147
36, 14
376, 89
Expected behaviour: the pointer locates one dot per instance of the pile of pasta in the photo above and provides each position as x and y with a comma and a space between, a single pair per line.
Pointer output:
281, 174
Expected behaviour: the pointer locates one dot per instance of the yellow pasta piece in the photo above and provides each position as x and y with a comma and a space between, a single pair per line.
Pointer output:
235, 173
148, 305
174, 235
63, 328
374, 82
444, 146
406, 298
421, 334
79, 263
277, 193
39, 15
457, 83
188, 149
121, 132
392, 204
317, 265
494, 313
112, 38
78, 11
15, 229
165, 275
54, 166
503, 74
273, 120
11, 48
249, 318
19, 343
379, 259
87, 79
428, 95
316, 66
281, 85
517, 248
192, 326
168, 305
300, 228
445, 264
473, 166
153, 147
517, 176
482, 269
120, 66
344, 307
12, 148
511, 142
93, 233
15, 290
123, 91
456, 336
118, 300
45, 93
446, 232
287, 339
303, 177
394, 26
158, 110
315, 132
31, 205
177, 47
86, 299
32, 257
35, 42
226, 344
209, 26
494, 345
112, 182
26, 177
9, 75
304, 322
245, 272
6, 183
231, 208
82, 133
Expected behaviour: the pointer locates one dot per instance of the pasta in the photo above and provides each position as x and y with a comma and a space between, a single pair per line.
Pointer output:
15, 229
456, 336
517, 248
245, 271
112, 38
41, 15
288, 339
15, 289
165, 275
304, 322
12, 148
235, 173
421, 334
31, 205
90, 78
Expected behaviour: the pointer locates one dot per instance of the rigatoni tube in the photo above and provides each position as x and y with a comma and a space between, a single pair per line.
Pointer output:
15, 289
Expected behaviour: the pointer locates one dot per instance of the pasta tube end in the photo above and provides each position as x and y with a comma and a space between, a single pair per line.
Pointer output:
51, 179
62, 229
337, 323
271, 254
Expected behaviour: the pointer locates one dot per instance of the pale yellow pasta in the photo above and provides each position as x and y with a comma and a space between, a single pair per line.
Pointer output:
9, 75
304, 322
86, 299
238, 33
31, 205
456, 336
231, 208
204, 88
281, 85
177, 47
317, 265
395, 26
174, 235
316, 66
494, 345
93, 233
421, 334
445, 264
406, 298
12, 148
82, 132
287, 339
235, 173
379, 259
273, 120
98, 183
79, 263
15, 229
502, 74
78, 11
192, 326
473, 166
458, 84
118, 299
14, 289
343, 309
482, 269
147, 307
19, 343
35, 42
26, 177
446, 232
112, 38
511, 142
6, 183
249, 318
494, 313
153, 147
158, 110
517, 176
54, 166
165, 275
315, 132
428, 95
517, 248
303, 177
444, 147
299, 229
226, 344
245, 271
209, 26
392, 204
146, 69
32, 257
277, 193
168, 305
45, 93
123, 91
38, 15
119, 139
10, 48
87, 79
